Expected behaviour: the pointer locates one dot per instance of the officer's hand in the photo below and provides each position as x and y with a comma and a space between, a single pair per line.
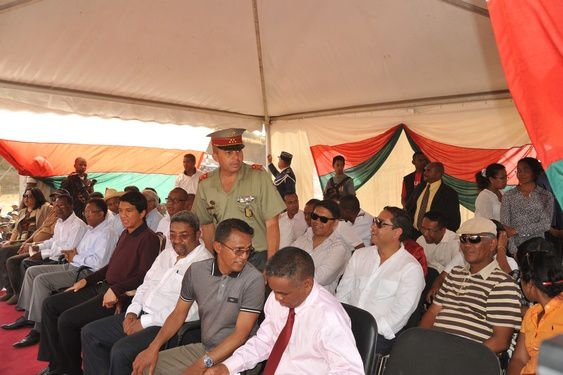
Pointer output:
269, 158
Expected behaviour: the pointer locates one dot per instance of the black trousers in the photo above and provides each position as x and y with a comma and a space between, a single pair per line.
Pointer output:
5, 253
62, 318
14, 271
106, 349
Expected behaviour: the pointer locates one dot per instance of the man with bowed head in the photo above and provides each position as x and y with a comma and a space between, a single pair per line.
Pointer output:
306, 330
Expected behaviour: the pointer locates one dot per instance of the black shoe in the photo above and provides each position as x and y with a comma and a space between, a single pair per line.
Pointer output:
21, 322
19, 308
45, 371
32, 338
6, 296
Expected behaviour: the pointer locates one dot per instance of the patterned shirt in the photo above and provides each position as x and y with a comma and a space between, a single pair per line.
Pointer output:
472, 304
530, 215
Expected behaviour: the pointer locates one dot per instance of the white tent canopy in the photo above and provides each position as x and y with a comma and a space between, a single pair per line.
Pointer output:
243, 63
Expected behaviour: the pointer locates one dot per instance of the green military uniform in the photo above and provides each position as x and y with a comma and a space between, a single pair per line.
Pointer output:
253, 199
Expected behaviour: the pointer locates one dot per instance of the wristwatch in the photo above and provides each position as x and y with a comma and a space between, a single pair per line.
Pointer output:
208, 361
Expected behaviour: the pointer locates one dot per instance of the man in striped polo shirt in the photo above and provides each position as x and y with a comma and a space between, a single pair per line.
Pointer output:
477, 301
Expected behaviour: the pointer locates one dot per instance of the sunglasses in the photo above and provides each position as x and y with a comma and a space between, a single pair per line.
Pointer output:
240, 252
380, 223
474, 238
323, 219
25, 196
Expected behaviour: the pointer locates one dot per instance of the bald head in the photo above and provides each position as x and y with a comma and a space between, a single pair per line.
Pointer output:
80, 165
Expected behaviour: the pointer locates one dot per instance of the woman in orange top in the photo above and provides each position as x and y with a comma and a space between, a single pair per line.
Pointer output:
542, 282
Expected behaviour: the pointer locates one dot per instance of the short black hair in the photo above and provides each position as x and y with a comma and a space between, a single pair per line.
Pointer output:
131, 188
350, 202
401, 219
39, 197
313, 202
135, 198
182, 192
291, 262
100, 203
416, 153
187, 217
97, 194
227, 226
330, 205
190, 157
289, 193
338, 158
66, 198
436, 216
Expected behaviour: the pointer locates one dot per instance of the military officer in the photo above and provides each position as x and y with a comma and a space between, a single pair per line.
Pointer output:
238, 190
284, 180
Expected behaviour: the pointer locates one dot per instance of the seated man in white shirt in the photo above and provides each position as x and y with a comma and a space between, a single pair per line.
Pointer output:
321, 340
361, 221
189, 178
344, 230
92, 253
324, 245
153, 216
440, 244
385, 279
177, 201
292, 221
111, 344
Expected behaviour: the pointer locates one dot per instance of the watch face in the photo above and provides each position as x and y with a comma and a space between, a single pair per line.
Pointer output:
208, 361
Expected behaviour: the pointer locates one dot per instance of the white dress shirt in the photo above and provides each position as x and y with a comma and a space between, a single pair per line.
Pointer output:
321, 340
330, 258
291, 229
362, 226
188, 183
389, 291
68, 234
158, 294
115, 222
439, 255
164, 228
487, 205
96, 247
348, 236
153, 219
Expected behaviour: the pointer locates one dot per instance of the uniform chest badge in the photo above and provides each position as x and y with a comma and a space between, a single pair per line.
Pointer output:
246, 200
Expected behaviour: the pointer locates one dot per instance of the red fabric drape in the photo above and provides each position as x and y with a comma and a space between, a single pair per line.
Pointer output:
529, 36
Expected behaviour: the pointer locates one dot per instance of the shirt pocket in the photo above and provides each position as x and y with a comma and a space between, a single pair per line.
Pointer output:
387, 289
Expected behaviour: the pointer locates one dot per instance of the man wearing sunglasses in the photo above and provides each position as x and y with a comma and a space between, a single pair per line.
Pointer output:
478, 301
323, 244
229, 293
384, 279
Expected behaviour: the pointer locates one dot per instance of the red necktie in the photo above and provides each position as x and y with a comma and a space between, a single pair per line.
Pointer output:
280, 345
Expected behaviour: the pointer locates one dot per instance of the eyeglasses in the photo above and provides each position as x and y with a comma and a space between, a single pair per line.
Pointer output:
240, 252
474, 238
380, 223
323, 219
174, 200
27, 196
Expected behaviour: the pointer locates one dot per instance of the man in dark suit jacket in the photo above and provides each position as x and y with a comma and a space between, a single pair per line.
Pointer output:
440, 197
284, 180
412, 180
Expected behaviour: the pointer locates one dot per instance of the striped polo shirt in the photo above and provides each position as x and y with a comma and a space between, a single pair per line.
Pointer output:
472, 304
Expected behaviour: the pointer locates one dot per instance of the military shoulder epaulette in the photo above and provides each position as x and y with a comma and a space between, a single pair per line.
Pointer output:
257, 167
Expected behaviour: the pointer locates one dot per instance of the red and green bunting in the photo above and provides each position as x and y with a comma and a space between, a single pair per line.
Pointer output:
364, 158
530, 44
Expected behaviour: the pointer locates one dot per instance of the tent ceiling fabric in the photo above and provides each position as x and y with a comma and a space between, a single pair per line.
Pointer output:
317, 55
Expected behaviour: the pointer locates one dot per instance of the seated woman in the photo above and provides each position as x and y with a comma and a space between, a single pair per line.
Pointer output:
323, 244
491, 182
29, 219
526, 211
542, 282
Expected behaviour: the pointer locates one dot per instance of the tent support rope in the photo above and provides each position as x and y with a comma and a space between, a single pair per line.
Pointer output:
260, 62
